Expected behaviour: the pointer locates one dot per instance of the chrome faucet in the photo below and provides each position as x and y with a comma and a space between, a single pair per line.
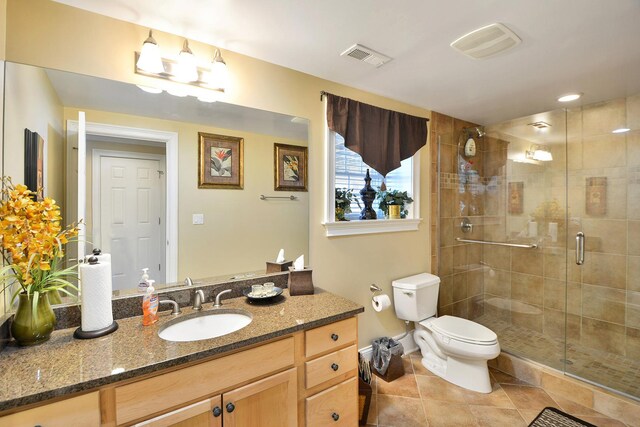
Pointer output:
218, 303
188, 281
176, 308
198, 299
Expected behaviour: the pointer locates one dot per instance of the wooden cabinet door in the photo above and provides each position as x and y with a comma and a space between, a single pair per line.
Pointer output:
207, 413
271, 402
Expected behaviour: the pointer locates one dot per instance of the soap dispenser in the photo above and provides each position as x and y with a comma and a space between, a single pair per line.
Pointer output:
150, 305
143, 284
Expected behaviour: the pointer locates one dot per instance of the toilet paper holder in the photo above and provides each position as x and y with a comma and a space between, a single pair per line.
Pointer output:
375, 289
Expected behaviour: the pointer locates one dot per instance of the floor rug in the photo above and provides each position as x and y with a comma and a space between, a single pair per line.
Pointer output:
552, 417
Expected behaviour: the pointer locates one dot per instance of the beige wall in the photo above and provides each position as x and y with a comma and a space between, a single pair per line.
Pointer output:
40, 32
3, 27
32, 103
240, 231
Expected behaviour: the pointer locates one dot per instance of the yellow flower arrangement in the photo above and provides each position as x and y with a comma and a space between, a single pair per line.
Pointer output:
31, 242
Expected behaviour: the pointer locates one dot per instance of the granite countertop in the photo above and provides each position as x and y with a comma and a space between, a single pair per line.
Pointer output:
65, 365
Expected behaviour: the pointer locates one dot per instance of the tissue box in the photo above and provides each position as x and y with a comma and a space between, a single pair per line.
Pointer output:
300, 282
277, 267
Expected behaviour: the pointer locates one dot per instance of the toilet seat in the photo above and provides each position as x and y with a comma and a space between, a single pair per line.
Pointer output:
460, 329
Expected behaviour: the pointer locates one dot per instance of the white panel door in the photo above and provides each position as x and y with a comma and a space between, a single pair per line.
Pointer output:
131, 204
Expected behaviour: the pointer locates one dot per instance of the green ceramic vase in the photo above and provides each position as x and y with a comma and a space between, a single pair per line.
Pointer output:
28, 329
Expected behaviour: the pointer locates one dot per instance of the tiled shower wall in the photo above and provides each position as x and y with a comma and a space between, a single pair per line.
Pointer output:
461, 287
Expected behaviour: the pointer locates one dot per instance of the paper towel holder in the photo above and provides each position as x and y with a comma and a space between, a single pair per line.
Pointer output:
86, 335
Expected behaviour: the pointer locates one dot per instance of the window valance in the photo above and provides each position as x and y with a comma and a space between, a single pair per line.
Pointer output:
382, 137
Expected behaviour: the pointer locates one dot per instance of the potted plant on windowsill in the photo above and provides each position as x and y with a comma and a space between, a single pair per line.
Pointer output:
393, 203
343, 199
31, 242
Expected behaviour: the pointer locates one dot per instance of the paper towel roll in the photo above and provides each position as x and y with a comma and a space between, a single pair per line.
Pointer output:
95, 287
381, 302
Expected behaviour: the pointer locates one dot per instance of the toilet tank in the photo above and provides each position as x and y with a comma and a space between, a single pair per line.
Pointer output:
415, 298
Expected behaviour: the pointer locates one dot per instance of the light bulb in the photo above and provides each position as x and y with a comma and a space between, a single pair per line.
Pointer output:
150, 59
219, 75
186, 70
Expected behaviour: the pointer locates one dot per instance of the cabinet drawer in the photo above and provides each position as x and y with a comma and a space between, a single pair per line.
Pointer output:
77, 411
330, 366
197, 414
147, 397
331, 336
336, 406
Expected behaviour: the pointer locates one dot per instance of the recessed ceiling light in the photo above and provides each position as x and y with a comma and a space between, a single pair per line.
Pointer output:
569, 97
620, 130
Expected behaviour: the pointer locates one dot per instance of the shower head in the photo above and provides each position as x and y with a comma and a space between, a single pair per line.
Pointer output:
474, 131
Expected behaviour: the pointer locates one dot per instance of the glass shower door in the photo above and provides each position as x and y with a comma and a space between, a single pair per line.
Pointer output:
603, 304
526, 204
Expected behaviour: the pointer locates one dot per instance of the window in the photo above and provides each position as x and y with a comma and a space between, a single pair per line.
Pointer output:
347, 170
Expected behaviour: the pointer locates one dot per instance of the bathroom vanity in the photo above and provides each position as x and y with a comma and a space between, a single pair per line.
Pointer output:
295, 364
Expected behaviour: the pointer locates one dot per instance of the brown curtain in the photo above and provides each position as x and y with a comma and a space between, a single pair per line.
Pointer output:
382, 137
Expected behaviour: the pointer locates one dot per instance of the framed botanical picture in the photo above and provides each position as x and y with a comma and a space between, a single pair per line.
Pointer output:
221, 162
290, 167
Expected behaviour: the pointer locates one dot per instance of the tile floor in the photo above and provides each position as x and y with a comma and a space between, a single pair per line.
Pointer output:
611, 370
420, 398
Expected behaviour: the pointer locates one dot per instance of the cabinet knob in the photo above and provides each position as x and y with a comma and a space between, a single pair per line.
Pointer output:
230, 407
335, 366
334, 337
217, 411
335, 416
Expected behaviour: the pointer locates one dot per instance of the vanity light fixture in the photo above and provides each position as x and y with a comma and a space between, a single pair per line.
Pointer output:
540, 153
219, 74
620, 130
183, 69
150, 59
569, 97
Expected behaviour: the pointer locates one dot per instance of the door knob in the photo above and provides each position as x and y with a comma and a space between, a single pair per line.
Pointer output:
217, 411
230, 407
335, 366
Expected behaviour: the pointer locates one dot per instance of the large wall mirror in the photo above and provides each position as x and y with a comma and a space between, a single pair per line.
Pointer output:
141, 200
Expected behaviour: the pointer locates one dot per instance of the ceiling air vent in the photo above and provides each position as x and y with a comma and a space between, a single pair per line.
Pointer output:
364, 54
486, 41
539, 125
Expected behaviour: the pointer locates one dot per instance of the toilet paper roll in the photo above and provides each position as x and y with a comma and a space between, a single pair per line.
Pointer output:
95, 287
381, 302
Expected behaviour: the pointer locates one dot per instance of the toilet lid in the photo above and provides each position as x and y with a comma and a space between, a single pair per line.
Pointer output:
463, 330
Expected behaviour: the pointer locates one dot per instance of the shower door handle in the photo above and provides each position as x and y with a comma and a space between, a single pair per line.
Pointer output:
580, 248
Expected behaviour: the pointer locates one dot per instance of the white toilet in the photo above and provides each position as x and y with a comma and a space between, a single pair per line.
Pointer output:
453, 348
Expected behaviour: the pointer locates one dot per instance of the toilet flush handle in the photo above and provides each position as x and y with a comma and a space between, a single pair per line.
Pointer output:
408, 293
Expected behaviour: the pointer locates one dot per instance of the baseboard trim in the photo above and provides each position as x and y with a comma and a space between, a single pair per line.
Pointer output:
407, 341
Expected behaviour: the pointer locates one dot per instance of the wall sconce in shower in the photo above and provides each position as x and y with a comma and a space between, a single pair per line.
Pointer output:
184, 69
540, 153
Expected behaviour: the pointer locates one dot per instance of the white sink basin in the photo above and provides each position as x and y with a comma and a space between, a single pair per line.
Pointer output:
202, 326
